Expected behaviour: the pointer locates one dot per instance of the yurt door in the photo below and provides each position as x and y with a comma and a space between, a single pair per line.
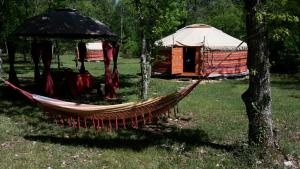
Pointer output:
177, 61
189, 60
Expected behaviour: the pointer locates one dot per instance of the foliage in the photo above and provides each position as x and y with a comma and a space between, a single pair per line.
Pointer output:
171, 15
159, 18
130, 48
124, 24
226, 15
284, 35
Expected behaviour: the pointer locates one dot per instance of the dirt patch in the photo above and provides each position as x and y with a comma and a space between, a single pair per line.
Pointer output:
296, 136
166, 124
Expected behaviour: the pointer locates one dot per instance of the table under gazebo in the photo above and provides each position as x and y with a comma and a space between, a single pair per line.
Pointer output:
68, 24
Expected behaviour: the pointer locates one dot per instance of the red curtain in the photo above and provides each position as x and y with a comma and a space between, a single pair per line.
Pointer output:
115, 74
11, 59
108, 54
35, 53
46, 58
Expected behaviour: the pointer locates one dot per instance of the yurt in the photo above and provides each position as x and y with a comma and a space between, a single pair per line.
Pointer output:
94, 51
199, 49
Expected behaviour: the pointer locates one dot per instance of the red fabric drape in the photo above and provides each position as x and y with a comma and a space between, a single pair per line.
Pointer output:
82, 55
108, 53
11, 59
46, 58
115, 74
35, 53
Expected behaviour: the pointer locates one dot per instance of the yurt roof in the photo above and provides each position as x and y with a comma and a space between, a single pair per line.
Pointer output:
63, 23
201, 34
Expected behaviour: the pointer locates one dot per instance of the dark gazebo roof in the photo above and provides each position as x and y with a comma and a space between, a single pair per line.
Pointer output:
63, 23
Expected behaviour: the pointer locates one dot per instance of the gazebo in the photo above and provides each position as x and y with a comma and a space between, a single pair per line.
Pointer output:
64, 24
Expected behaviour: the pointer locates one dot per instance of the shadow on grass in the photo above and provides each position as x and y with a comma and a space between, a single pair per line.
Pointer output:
22, 68
286, 82
138, 139
17, 106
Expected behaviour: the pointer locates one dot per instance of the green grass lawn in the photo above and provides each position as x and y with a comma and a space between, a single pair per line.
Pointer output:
211, 131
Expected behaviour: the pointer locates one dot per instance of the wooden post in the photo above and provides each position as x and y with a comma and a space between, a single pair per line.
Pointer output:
201, 60
57, 51
82, 55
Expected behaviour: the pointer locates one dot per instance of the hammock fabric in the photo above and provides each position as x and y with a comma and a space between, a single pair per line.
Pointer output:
112, 116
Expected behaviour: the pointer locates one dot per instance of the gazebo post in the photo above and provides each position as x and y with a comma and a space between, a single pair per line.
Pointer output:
11, 58
82, 54
57, 52
35, 53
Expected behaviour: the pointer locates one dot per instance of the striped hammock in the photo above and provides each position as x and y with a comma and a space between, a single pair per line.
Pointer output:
124, 115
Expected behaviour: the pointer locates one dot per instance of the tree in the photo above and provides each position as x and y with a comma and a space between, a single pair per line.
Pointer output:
257, 97
154, 19
260, 18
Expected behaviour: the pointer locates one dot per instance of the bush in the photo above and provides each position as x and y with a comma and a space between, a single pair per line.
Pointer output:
130, 49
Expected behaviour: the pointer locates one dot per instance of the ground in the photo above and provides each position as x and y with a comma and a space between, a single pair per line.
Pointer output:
210, 130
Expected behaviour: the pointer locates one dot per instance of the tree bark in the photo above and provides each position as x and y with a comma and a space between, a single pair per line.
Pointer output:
257, 97
144, 70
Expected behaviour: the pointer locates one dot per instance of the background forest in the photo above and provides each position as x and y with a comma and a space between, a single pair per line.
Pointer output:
162, 17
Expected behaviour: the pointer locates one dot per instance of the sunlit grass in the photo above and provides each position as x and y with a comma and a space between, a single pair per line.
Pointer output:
211, 132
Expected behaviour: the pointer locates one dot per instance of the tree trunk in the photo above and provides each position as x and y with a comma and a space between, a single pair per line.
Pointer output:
24, 53
144, 70
144, 53
0, 62
6, 48
257, 98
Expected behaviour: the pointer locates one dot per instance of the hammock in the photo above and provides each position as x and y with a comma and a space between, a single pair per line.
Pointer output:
98, 116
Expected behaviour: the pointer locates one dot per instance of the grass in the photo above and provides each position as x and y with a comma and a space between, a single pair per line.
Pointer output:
212, 132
